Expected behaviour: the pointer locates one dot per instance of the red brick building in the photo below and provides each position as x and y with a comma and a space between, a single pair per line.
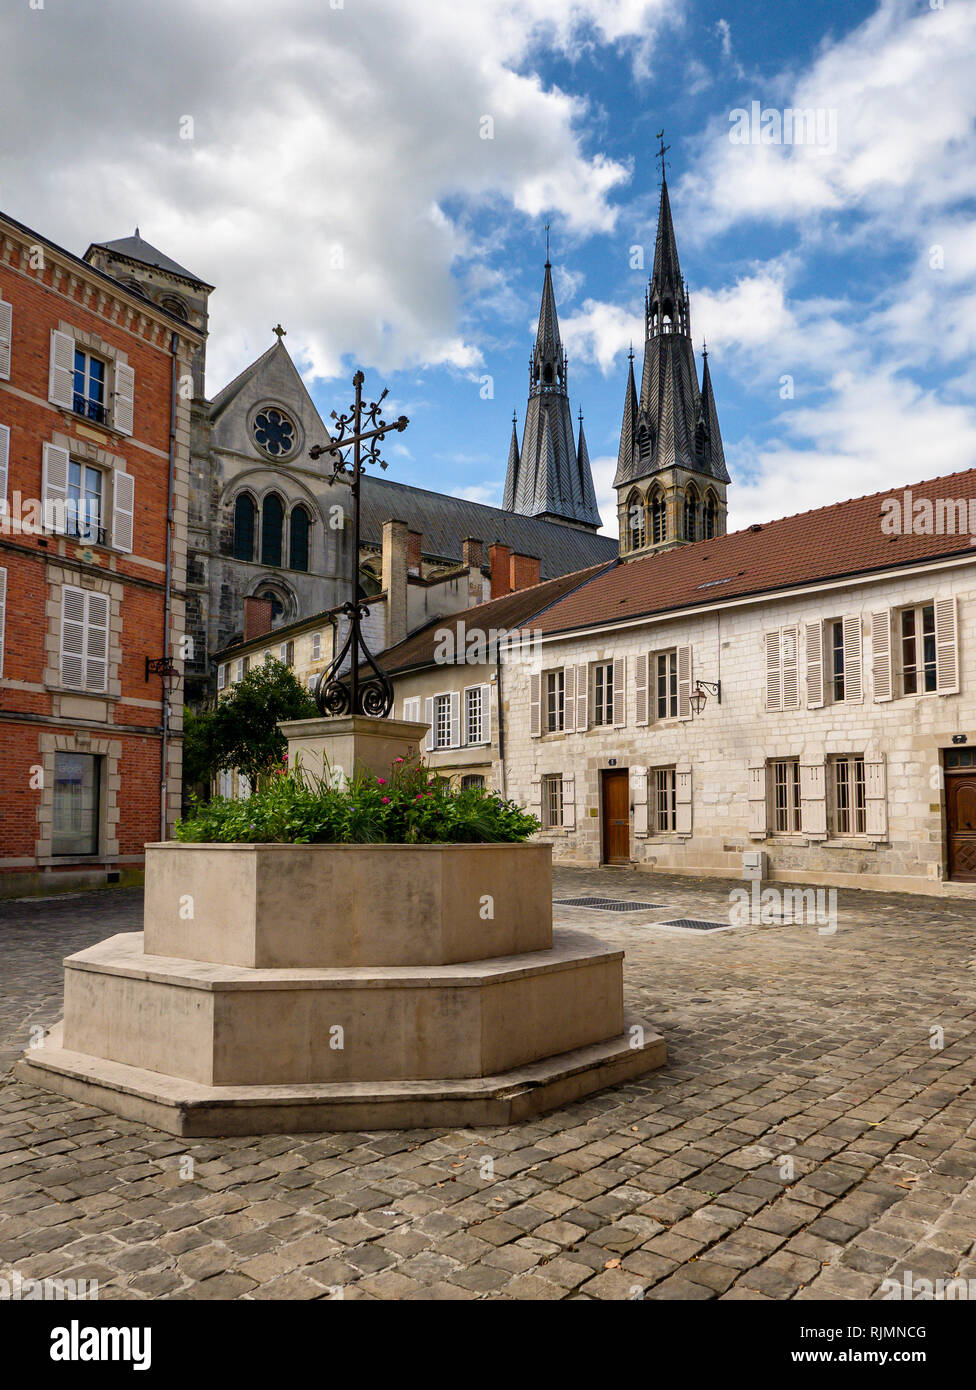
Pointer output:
95, 394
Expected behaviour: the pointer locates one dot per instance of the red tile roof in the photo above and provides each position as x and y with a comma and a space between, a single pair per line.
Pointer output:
830, 543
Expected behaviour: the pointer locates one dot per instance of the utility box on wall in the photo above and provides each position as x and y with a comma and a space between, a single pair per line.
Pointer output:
754, 863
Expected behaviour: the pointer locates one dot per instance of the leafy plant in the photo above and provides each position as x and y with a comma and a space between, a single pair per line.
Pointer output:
241, 731
410, 806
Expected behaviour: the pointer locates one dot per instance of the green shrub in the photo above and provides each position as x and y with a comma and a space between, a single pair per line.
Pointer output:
411, 806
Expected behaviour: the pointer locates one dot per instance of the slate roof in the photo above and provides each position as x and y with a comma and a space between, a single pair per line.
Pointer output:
844, 539
136, 248
509, 612
446, 522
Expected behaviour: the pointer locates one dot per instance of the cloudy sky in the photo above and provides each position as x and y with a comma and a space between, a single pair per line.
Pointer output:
377, 175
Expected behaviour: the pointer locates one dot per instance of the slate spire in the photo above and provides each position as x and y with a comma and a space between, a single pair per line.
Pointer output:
511, 476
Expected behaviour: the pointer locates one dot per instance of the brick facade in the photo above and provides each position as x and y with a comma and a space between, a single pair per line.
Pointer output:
103, 586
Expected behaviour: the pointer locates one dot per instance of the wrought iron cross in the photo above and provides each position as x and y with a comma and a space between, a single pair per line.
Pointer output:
374, 694
662, 151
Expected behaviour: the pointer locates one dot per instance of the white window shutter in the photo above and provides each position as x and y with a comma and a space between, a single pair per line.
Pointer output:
774, 674
569, 699
815, 664
684, 682
429, 721
73, 637
682, 798
535, 706
640, 699
758, 826
619, 692
6, 337
569, 801
638, 792
946, 647
221, 676
3, 612
813, 800
457, 735
123, 510
789, 641
283, 652
535, 797
96, 646
582, 699
4, 461
875, 798
881, 655
61, 373
125, 391
853, 663
54, 486
486, 714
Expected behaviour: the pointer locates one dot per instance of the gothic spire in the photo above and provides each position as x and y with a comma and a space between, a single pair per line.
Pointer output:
667, 297
628, 427
511, 477
587, 491
709, 413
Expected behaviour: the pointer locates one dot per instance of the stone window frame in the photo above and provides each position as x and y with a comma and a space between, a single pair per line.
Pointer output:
115, 357
110, 784
59, 577
87, 451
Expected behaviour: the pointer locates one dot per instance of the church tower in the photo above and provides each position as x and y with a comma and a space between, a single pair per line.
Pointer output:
549, 477
671, 477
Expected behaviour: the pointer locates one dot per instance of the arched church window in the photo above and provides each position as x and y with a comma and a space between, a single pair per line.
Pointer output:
272, 518
691, 515
298, 540
636, 521
659, 523
244, 513
709, 512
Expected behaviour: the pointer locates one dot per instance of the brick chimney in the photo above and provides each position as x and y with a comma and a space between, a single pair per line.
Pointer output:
471, 552
414, 561
395, 548
499, 560
525, 570
257, 617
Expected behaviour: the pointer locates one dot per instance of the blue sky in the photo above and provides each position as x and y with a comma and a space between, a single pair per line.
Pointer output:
333, 175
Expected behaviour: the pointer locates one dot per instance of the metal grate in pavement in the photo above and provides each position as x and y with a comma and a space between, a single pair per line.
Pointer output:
606, 904
694, 924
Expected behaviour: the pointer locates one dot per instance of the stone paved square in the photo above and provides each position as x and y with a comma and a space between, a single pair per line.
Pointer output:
812, 1134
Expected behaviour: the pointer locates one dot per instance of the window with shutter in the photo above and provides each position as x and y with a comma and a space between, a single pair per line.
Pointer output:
582, 700
429, 721
682, 798
61, 374
789, 639
814, 664
54, 485
125, 391
881, 655
221, 676
757, 800
813, 801
638, 792
84, 639
96, 649
684, 682
4, 463
123, 510
875, 798
3, 613
619, 692
411, 708
535, 797
640, 693
946, 647
853, 681
569, 698
535, 706
486, 714
774, 672
6, 338
456, 733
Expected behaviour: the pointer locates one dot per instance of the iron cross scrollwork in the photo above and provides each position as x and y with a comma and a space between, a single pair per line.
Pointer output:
360, 431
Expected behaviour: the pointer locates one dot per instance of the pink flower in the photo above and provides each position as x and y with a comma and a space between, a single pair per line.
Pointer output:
398, 760
386, 800
381, 781
419, 796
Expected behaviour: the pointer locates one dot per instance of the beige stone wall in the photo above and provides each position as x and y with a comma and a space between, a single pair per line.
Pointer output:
465, 759
909, 733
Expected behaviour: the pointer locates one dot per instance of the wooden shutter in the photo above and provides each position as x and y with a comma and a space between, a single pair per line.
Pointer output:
411, 708
73, 637
54, 486
569, 699
684, 682
881, 655
485, 713
61, 373
682, 798
6, 334
4, 461
456, 736
853, 663
535, 797
758, 825
429, 721
813, 800
946, 647
123, 510
814, 664
125, 390
283, 652
638, 791
774, 675
221, 676
3, 612
96, 645
875, 798
640, 697
535, 706
619, 692
789, 641
569, 801
582, 699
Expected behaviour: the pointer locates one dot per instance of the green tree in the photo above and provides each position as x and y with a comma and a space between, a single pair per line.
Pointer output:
241, 731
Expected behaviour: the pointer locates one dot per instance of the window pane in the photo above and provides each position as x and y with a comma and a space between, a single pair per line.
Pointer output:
298, 549
272, 518
244, 511
75, 827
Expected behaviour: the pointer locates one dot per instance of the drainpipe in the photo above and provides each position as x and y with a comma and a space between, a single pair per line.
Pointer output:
173, 346
501, 718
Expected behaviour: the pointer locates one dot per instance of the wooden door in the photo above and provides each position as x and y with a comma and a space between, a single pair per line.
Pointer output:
961, 825
616, 815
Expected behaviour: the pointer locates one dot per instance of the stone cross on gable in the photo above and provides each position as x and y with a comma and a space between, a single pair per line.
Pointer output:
280, 331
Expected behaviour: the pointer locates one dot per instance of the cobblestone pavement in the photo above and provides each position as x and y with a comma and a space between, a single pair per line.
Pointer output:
808, 1138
